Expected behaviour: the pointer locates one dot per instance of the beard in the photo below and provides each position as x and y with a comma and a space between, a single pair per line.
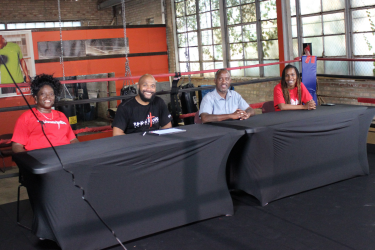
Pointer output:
143, 98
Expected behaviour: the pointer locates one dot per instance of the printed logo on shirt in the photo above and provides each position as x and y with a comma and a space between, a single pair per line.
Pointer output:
149, 121
294, 102
54, 122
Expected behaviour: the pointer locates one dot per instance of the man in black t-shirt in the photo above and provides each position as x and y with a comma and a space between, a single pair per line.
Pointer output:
145, 112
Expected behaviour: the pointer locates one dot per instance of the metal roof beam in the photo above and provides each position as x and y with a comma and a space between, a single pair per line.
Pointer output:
108, 3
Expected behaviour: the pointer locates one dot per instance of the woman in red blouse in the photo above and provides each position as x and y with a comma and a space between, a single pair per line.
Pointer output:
291, 93
28, 134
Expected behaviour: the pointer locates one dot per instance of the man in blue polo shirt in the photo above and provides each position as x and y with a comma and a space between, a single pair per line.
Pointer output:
223, 103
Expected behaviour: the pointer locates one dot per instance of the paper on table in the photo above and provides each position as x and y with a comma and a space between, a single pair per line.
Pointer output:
167, 131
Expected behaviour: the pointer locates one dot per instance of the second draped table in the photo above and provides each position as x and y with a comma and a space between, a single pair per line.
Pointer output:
287, 152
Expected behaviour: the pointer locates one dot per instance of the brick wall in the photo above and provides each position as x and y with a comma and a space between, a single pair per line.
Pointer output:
345, 91
137, 11
170, 38
47, 10
331, 90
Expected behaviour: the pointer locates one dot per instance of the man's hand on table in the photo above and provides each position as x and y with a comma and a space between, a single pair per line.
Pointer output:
243, 114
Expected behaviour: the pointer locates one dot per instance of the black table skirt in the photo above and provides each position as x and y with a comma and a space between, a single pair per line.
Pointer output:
138, 184
284, 153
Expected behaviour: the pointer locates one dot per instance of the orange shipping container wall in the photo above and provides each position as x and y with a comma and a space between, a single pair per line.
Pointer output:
142, 40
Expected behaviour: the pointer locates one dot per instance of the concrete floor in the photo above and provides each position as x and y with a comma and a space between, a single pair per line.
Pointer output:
9, 185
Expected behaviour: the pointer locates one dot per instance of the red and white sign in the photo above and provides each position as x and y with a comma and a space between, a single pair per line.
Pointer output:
25, 90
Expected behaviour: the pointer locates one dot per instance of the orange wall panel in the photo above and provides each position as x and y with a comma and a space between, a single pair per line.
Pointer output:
141, 40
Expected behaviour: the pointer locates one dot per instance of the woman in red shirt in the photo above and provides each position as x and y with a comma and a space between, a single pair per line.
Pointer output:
291, 93
28, 134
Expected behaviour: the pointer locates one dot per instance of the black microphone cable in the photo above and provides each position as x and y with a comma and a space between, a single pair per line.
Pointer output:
62, 165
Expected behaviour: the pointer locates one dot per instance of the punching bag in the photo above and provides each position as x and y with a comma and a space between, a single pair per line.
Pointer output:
188, 103
70, 112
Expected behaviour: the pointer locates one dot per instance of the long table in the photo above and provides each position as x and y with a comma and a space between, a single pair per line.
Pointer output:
284, 153
138, 184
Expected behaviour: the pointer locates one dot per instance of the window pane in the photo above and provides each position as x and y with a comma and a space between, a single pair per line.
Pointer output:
360, 3
2, 26
189, 67
333, 5
294, 26
183, 67
11, 25
183, 54
249, 13
249, 32
57, 24
336, 68
182, 40
361, 20
364, 68
233, 15
252, 71
334, 46
204, 5
30, 25
237, 72
208, 53
209, 65
20, 25
206, 37
190, 7
194, 54
50, 25
181, 24
273, 70
311, 6
232, 2
269, 30
193, 38
317, 45
319, 67
215, 4
235, 34
215, 18
236, 51
195, 67
270, 49
205, 20
251, 51
68, 24
212, 65
191, 23
364, 44
247, 1
295, 48
39, 25
268, 9
180, 9
334, 24
292, 7
312, 26
76, 24
217, 36
218, 52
